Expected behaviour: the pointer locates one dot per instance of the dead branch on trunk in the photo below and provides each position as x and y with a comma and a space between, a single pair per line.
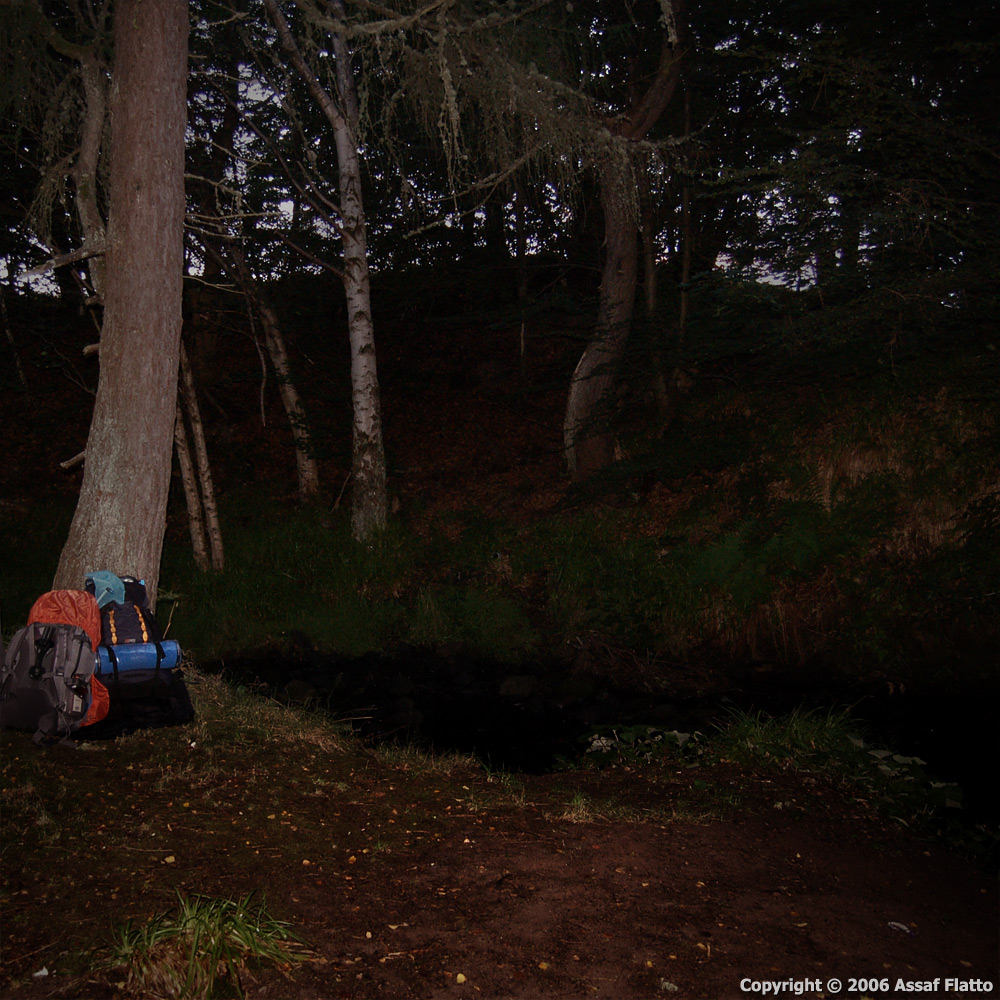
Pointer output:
192, 496
305, 463
62, 259
189, 397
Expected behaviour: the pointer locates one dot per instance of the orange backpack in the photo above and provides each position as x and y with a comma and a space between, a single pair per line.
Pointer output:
79, 609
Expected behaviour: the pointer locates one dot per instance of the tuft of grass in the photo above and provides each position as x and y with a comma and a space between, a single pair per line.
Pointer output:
507, 789
580, 809
186, 952
407, 757
230, 715
801, 738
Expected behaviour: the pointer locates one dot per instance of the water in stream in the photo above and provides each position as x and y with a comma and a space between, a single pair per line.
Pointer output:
533, 719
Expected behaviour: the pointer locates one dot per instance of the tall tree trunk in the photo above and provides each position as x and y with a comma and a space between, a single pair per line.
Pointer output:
368, 498
121, 512
588, 440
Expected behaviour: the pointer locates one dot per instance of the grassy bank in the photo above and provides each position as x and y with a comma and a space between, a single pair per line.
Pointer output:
857, 529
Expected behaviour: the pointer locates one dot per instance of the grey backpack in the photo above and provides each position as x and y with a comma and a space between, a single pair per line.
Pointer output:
45, 681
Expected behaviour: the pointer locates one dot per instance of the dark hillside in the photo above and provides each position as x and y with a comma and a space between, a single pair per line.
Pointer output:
810, 503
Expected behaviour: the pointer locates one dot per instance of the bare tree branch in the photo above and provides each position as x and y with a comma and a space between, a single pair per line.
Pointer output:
319, 262
71, 257
334, 114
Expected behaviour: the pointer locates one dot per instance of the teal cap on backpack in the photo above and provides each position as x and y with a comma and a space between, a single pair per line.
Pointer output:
106, 586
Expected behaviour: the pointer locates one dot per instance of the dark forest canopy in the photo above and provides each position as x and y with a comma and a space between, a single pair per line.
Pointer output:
815, 135
848, 153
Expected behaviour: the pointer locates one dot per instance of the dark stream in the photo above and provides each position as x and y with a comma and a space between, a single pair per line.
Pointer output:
533, 719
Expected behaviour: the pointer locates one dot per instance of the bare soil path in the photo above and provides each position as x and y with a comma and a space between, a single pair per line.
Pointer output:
416, 879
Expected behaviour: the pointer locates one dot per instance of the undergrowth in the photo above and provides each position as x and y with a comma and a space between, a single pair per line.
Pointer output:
828, 744
855, 528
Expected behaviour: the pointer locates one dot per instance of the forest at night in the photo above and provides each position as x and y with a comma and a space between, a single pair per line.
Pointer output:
588, 409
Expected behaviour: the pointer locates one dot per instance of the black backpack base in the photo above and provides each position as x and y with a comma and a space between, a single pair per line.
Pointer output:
140, 669
148, 699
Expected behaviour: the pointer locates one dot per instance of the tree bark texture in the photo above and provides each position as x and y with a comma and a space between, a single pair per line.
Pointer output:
589, 442
121, 512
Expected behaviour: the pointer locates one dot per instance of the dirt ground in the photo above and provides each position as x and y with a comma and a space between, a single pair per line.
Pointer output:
416, 878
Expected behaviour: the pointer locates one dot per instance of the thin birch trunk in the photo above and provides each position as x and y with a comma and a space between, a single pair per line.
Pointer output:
305, 463
368, 498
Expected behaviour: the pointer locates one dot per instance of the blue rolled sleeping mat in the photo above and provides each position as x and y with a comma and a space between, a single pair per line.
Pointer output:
162, 655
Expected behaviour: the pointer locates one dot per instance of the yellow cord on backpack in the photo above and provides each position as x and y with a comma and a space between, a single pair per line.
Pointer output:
142, 625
